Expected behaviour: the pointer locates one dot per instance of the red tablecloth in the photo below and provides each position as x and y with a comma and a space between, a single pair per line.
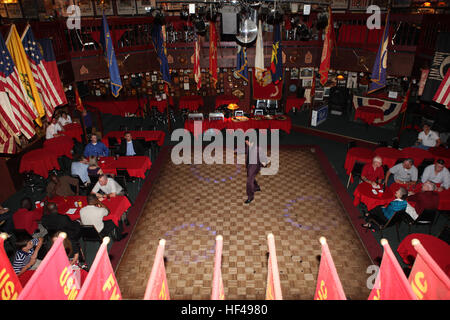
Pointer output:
417, 154
136, 165
226, 100
39, 161
389, 155
369, 114
117, 107
284, 125
441, 153
438, 249
117, 206
363, 193
294, 102
161, 105
444, 196
73, 130
148, 135
61, 146
190, 102
27, 220
357, 154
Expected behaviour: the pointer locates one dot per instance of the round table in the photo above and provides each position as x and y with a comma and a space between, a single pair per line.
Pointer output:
389, 155
39, 161
369, 114
60, 146
441, 153
417, 154
73, 130
438, 249
294, 102
357, 154
363, 193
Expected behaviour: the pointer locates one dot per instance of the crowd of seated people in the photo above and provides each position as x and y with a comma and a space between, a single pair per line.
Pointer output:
56, 124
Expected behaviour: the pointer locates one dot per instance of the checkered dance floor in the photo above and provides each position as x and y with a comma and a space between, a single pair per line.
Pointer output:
191, 204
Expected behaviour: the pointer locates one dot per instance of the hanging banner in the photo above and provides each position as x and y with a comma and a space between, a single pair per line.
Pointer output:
157, 288
266, 89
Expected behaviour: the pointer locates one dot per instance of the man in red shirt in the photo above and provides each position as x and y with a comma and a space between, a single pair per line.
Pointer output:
428, 199
26, 218
373, 173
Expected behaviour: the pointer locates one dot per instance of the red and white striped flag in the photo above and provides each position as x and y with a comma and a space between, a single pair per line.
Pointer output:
273, 289
47, 90
217, 285
442, 94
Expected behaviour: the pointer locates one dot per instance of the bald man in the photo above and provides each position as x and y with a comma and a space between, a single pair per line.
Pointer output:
373, 173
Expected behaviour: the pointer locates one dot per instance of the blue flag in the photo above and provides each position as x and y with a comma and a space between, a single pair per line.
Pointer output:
161, 52
276, 62
108, 51
241, 63
378, 77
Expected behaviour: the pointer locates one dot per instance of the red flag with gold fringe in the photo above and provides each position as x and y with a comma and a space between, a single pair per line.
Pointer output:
273, 289
78, 102
213, 53
54, 279
197, 72
217, 285
391, 282
329, 286
157, 288
427, 279
326, 50
101, 283
10, 286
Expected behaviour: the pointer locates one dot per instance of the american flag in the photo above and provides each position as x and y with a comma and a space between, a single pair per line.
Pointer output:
442, 94
45, 86
16, 106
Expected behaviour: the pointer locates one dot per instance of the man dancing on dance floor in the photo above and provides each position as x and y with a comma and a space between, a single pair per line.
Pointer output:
255, 158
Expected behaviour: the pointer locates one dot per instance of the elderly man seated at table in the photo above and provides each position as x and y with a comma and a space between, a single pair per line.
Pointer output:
437, 173
427, 138
373, 173
53, 221
108, 186
52, 129
60, 186
427, 199
80, 168
403, 173
95, 148
385, 213
130, 147
64, 119
93, 214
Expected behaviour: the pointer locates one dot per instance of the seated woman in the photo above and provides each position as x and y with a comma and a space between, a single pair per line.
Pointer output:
27, 217
385, 213
94, 169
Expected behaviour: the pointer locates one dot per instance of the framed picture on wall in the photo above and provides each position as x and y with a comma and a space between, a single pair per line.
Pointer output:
401, 3
326, 91
306, 83
319, 94
143, 4
294, 73
107, 6
3, 12
29, 9
86, 8
126, 7
380, 3
358, 5
339, 4
14, 10
306, 73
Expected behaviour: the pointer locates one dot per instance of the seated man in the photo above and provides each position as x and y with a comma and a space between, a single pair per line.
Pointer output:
403, 173
93, 214
52, 129
26, 218
427, 138
60, 186
27, 252
385, 213
79, 167
95, 148
373, 173
130, 147
426, 199
437, 173
64, 119
53, 221
108, 186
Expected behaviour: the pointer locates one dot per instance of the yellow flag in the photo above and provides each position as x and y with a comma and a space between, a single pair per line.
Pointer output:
15, 47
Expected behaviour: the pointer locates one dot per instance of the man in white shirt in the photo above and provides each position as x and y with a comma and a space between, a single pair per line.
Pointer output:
403, 173
428, 138
438, 174
52, 129
108, 186
64, 119
93, 215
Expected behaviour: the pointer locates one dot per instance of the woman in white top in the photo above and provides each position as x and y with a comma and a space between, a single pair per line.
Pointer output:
64, 119
428, 138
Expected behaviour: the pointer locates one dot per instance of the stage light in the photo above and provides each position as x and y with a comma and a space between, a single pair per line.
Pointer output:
340, 77
427, 4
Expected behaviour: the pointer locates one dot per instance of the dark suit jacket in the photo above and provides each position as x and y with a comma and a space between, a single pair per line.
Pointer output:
138, 148
61, 222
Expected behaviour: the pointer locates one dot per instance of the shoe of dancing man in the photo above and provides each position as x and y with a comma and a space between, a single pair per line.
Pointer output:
253, 162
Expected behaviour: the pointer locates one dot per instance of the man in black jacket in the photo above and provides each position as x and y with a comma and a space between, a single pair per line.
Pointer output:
130, 147
254, 160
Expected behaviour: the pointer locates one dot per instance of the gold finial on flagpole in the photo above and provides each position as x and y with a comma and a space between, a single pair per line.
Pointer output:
219, 238
384, 242
106, 240
4, 235
323, 240
415, 242
63, 235
162, 242
270, 235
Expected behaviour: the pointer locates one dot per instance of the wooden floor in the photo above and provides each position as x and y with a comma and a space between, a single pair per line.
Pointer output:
191, 204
